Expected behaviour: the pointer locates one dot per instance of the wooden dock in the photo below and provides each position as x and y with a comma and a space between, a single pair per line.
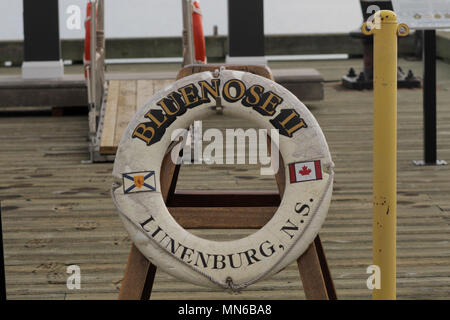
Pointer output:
58, 212
70, 91
127, 93
125, 97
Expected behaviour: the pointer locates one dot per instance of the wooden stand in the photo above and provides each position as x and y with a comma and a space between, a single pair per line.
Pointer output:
224, 210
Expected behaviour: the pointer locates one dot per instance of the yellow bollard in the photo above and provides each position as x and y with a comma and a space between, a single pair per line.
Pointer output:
385, 31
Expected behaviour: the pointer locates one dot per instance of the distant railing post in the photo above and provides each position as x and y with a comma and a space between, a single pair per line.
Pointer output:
188, 37
42, 45
246, 41
429, 97
93, 49
429, 102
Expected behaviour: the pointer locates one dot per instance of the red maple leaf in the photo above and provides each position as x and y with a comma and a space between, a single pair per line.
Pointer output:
305, 171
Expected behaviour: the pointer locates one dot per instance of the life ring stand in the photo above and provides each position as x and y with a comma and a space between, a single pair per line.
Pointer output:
233, 264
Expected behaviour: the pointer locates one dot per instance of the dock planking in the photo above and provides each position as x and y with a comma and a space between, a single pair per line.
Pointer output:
128, 92
124, 99
58, 212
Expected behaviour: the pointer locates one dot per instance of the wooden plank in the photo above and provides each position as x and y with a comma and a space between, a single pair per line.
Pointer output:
145, 90
69, 91
222, 218
125, 108
225, 198
327, 278
130, 96
311, 274
159, 85
133, 288
110, 120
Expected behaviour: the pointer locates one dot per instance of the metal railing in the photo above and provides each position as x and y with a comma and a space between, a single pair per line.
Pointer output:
96, 76
95, 70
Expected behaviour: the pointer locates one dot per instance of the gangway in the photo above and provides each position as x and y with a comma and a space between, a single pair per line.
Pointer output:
114, 99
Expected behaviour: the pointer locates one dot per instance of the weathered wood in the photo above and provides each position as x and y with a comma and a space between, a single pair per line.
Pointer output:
224, 198
66, 92
145, 90
260, 70
125, 108
312, 275
124, 98
137, 268
327, 278
222, 217
305, 84
57, 212
161, 84
110, 121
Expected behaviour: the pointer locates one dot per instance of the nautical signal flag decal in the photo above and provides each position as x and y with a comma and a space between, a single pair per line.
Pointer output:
143, 181
305, 171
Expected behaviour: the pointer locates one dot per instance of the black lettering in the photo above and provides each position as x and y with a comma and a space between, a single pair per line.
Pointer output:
146, 222
187, 252
253, 96
159, 124
202, 258
158, 117
171, 242
173, 105
268, 103
158, 229
263, 252
250, 254
239, 87
206, 88
217, 261
288, 121
145, 132
230, 258
190, 95
291, 226
299, 208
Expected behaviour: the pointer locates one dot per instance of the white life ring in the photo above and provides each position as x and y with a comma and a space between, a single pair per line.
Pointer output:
230, 264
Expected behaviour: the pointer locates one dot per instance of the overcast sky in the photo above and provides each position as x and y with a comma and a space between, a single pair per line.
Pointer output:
153, 18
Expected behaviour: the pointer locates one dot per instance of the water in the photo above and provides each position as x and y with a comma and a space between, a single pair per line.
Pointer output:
161, 18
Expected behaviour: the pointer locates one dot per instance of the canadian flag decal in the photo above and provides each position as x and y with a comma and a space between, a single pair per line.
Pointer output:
305, 171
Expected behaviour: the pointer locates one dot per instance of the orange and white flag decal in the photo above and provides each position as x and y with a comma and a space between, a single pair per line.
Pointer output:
305, 171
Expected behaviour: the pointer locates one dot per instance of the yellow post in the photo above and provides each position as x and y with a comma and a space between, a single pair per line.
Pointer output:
385, 31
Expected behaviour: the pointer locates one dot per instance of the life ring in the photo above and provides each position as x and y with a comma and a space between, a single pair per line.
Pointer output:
199, 38
235, 264
87, 39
